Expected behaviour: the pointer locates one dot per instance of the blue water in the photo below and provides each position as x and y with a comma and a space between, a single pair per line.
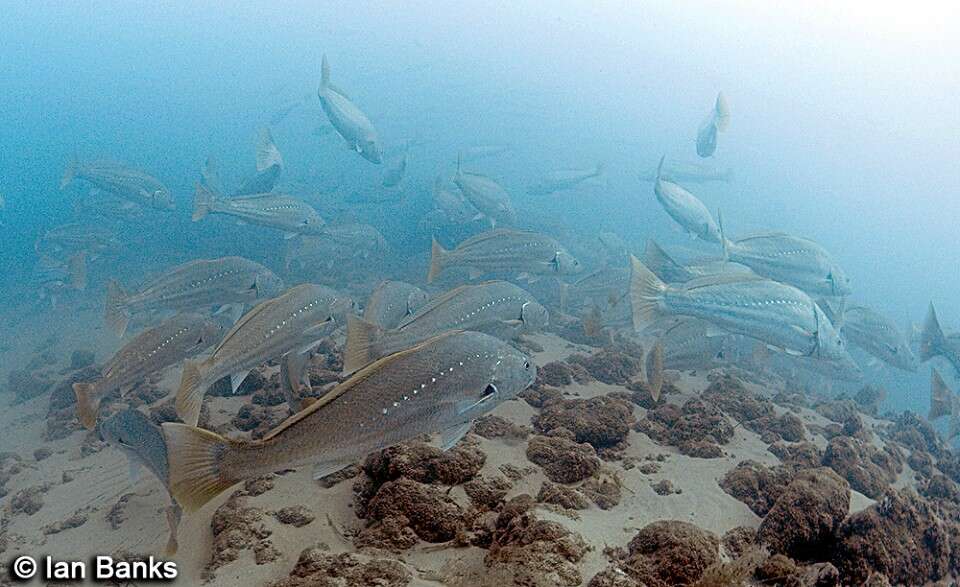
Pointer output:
843, 130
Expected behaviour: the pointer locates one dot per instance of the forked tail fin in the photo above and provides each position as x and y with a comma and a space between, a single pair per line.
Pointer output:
196, 457
646, 293
190, 395
437, 254
931, 338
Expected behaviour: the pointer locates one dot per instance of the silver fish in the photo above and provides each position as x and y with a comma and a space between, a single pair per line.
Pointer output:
69, 239
777, 314
933, 343
391, 302
685, 208
718, 120
294, 321
351, 123
126, 182
142, 442
269, 168
497, 308
878, 336
486, 195
151, 351
451, 208
564, 179
505, 250
286, 213
438, 386
192, 286
671, 271
688, 172
796, 261
337, 244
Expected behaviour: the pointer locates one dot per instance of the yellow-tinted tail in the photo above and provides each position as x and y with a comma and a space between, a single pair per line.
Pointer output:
196, 457
190, 395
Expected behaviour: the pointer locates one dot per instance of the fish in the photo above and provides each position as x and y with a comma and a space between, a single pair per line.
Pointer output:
687, 347
793, 260
717, 121
669, 270
497, 308
351, 123
504, 250
391, 302
294, 321
454, 208
439, 386
69, 239
100, 203
777, 314
564, 179
478, 152
125, 182
143, 443
393, 174
54, 277
192, 286
337, 244
290, 215
933, 343
689, 172
151, 351
604, 287
878, 336
486, 195
685, 208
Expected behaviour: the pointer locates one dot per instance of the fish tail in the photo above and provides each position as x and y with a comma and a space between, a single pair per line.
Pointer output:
203, 200
87, 404
362, 337
437, 254
117, 316
940, 404
324, 75
663, 265
268, 155
722, 113
190, 395
197, 474
646, 293
654, 368
69, 174
660, 168
77, 265
931, 338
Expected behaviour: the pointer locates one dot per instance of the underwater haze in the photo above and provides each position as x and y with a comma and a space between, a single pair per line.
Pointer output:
352, 176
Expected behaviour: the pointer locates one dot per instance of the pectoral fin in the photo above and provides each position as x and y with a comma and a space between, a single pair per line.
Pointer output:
324, 468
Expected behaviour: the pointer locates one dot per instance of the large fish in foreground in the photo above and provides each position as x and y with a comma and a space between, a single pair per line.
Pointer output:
151, 351
685, 208
933, 343
777, 314
192, 286
497, 308
563, 179
391, 302
126, 182
438, 386
278, 211
351, 123
142, 442
294, 321
718, 120
878, 336
486, 195
504, 250
789, 259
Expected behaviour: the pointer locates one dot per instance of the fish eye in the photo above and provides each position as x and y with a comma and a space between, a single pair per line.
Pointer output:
526, 364
489, 390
